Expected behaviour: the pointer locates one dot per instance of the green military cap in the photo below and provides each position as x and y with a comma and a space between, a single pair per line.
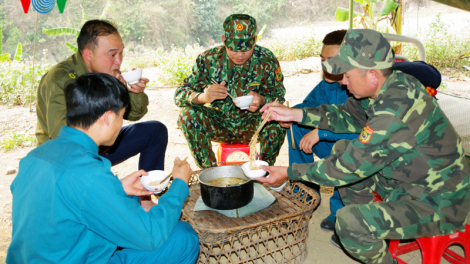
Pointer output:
361, 48
240, 32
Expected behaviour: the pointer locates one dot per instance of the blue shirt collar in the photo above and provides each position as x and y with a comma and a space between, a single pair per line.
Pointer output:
78, 137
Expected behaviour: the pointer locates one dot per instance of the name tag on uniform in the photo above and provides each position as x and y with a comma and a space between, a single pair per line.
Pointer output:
254, 84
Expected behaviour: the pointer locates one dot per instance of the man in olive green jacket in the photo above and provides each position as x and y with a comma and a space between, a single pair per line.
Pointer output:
100, 49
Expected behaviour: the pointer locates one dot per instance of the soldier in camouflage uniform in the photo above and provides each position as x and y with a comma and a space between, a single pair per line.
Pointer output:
407, 154
240, 68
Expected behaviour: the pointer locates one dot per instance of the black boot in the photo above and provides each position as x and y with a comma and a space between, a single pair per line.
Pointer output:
335, 241
327, 225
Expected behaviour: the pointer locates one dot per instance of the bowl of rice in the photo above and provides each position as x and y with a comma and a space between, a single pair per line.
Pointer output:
152, 182
254, 172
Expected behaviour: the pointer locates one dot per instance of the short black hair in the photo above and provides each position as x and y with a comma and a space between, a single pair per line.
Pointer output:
91, 95
91, 30
334, 37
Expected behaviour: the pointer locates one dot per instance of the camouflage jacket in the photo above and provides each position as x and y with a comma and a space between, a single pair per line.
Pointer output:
50, 106
261, 74
405, 138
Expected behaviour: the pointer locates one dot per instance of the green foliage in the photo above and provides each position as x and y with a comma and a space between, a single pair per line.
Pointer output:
105, 10
150, 23
13, 38
388, 7
65, 31
260, 33
73, 48
443, 87
161, 23
16, 140
444, 51
342, 14
142, 57
5, 57
174, 65
208, 22
15, 80
18, 53
1, 39
295, 49
177, 64
369, 19
62, 32
265, 12
84, 19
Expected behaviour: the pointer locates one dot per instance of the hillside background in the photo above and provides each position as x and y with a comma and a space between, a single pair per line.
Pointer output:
157, 23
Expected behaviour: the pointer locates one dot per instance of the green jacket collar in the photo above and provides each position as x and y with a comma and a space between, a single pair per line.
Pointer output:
80, 67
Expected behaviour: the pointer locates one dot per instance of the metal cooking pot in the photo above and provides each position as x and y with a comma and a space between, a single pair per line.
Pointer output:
229, 197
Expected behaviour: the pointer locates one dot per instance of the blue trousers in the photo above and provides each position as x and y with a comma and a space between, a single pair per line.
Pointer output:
147, 138
321, 149
181, 247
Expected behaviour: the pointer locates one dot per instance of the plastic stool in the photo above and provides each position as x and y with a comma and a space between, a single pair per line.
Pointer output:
433, 248
225, 150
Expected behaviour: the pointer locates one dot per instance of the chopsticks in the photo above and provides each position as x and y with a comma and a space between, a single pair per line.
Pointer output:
291, 132
153, 197
171, 173
214, 82
254, 139
264, 122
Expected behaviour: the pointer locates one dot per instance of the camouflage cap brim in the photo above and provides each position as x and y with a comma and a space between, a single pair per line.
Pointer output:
336, 65
239, 44
361, 48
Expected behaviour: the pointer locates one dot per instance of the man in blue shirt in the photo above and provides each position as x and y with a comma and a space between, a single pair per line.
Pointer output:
68, 207
307, 140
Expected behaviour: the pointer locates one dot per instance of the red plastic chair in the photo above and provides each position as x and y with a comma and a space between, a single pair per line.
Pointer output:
433, 248
224, 150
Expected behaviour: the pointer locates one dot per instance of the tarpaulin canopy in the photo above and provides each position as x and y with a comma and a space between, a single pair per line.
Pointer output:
461, 4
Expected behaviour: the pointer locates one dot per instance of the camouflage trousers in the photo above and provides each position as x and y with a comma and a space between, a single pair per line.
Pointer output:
201, 125
363, 226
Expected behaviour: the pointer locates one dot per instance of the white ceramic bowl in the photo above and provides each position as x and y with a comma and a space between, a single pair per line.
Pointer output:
243, 102
155, 175
254, 173
132, 77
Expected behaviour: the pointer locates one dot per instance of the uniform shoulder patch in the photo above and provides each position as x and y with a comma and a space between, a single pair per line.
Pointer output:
71, 75
366, 134
278, 74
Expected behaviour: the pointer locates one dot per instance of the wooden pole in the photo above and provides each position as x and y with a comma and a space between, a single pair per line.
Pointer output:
291, 132
399, 19
34, 60
351, 13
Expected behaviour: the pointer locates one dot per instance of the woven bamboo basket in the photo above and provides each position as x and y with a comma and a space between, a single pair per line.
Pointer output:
276, 234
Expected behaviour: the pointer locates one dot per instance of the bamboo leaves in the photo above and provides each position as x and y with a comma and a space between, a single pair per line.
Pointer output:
19, 52
342, 14
368, 19
388, 7
72, 47
62, 32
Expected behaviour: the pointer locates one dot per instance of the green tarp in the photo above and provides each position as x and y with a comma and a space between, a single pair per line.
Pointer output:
461, 4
